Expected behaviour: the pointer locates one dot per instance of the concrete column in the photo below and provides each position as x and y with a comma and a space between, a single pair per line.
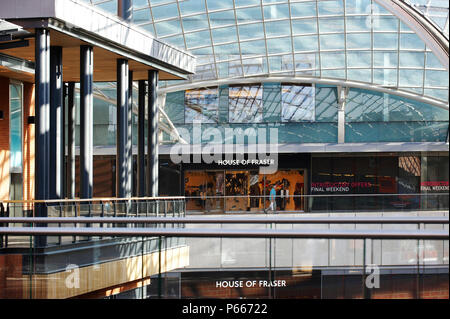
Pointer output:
152, 138
42, 113
56, 174
42, 82
71, 122
86, 121
130, 136
122, 129
141, 140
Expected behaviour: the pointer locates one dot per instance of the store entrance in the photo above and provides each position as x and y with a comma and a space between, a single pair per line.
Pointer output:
204, 191
241, 191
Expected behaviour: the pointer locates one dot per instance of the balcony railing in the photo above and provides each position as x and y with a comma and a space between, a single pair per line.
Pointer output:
307, 256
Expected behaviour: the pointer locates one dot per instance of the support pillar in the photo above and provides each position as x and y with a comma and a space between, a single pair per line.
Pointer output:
122, 129
342, 98
130, 136
56, 161
42, 79
71, 121
42, 114
152, 138
86, 121
125, 9
141, 140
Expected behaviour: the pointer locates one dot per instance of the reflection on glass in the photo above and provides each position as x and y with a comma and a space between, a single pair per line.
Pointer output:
16, 127
202, 105
245, 104
297, 103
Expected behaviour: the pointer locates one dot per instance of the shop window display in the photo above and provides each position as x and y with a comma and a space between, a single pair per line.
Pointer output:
243, 191
382, 183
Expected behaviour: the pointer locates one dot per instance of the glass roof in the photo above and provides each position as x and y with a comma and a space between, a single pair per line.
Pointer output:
349, 40
435, 11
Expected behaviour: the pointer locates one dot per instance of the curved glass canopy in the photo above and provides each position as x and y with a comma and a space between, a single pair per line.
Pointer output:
435, 11
348, 40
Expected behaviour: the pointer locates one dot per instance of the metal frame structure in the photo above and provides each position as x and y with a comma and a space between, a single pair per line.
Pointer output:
397, 11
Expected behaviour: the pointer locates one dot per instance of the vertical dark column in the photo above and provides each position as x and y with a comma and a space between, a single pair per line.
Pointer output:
122, 128
125, 12
152, 138
141, 140
71, 117
42, 109
56, 161
124, 9
86, 121
130, 136
42, 79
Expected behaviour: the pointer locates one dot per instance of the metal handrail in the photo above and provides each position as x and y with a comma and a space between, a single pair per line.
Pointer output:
314, 195
99, 199
229, 233
227, 220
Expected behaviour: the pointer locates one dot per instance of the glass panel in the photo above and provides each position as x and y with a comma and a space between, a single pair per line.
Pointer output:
359, 59
189, 7
277, 28
174, 106
272, 102
304, 26
15, 122
306, 43
385, 24
279, 45
298, 103
202, 105
411, 41
197, 39
245, 104
248, 14
412, 59
331, 25
385, 41
222, 4
195, 22
253, 47
223, 35
333, 7
332, 42
168, 27
385, 59
303, 9
326, 104
359, 41
222, 18
333, 60
358, 24
251, 31
236, 190
165, 11
141, 16
411, 77
276, 11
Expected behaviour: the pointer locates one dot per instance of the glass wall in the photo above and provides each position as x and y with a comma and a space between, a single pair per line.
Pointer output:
202, 106
305, 113
245, 104
379, 182
298, 103
217, 191
378, 117
16, 145
16, 125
